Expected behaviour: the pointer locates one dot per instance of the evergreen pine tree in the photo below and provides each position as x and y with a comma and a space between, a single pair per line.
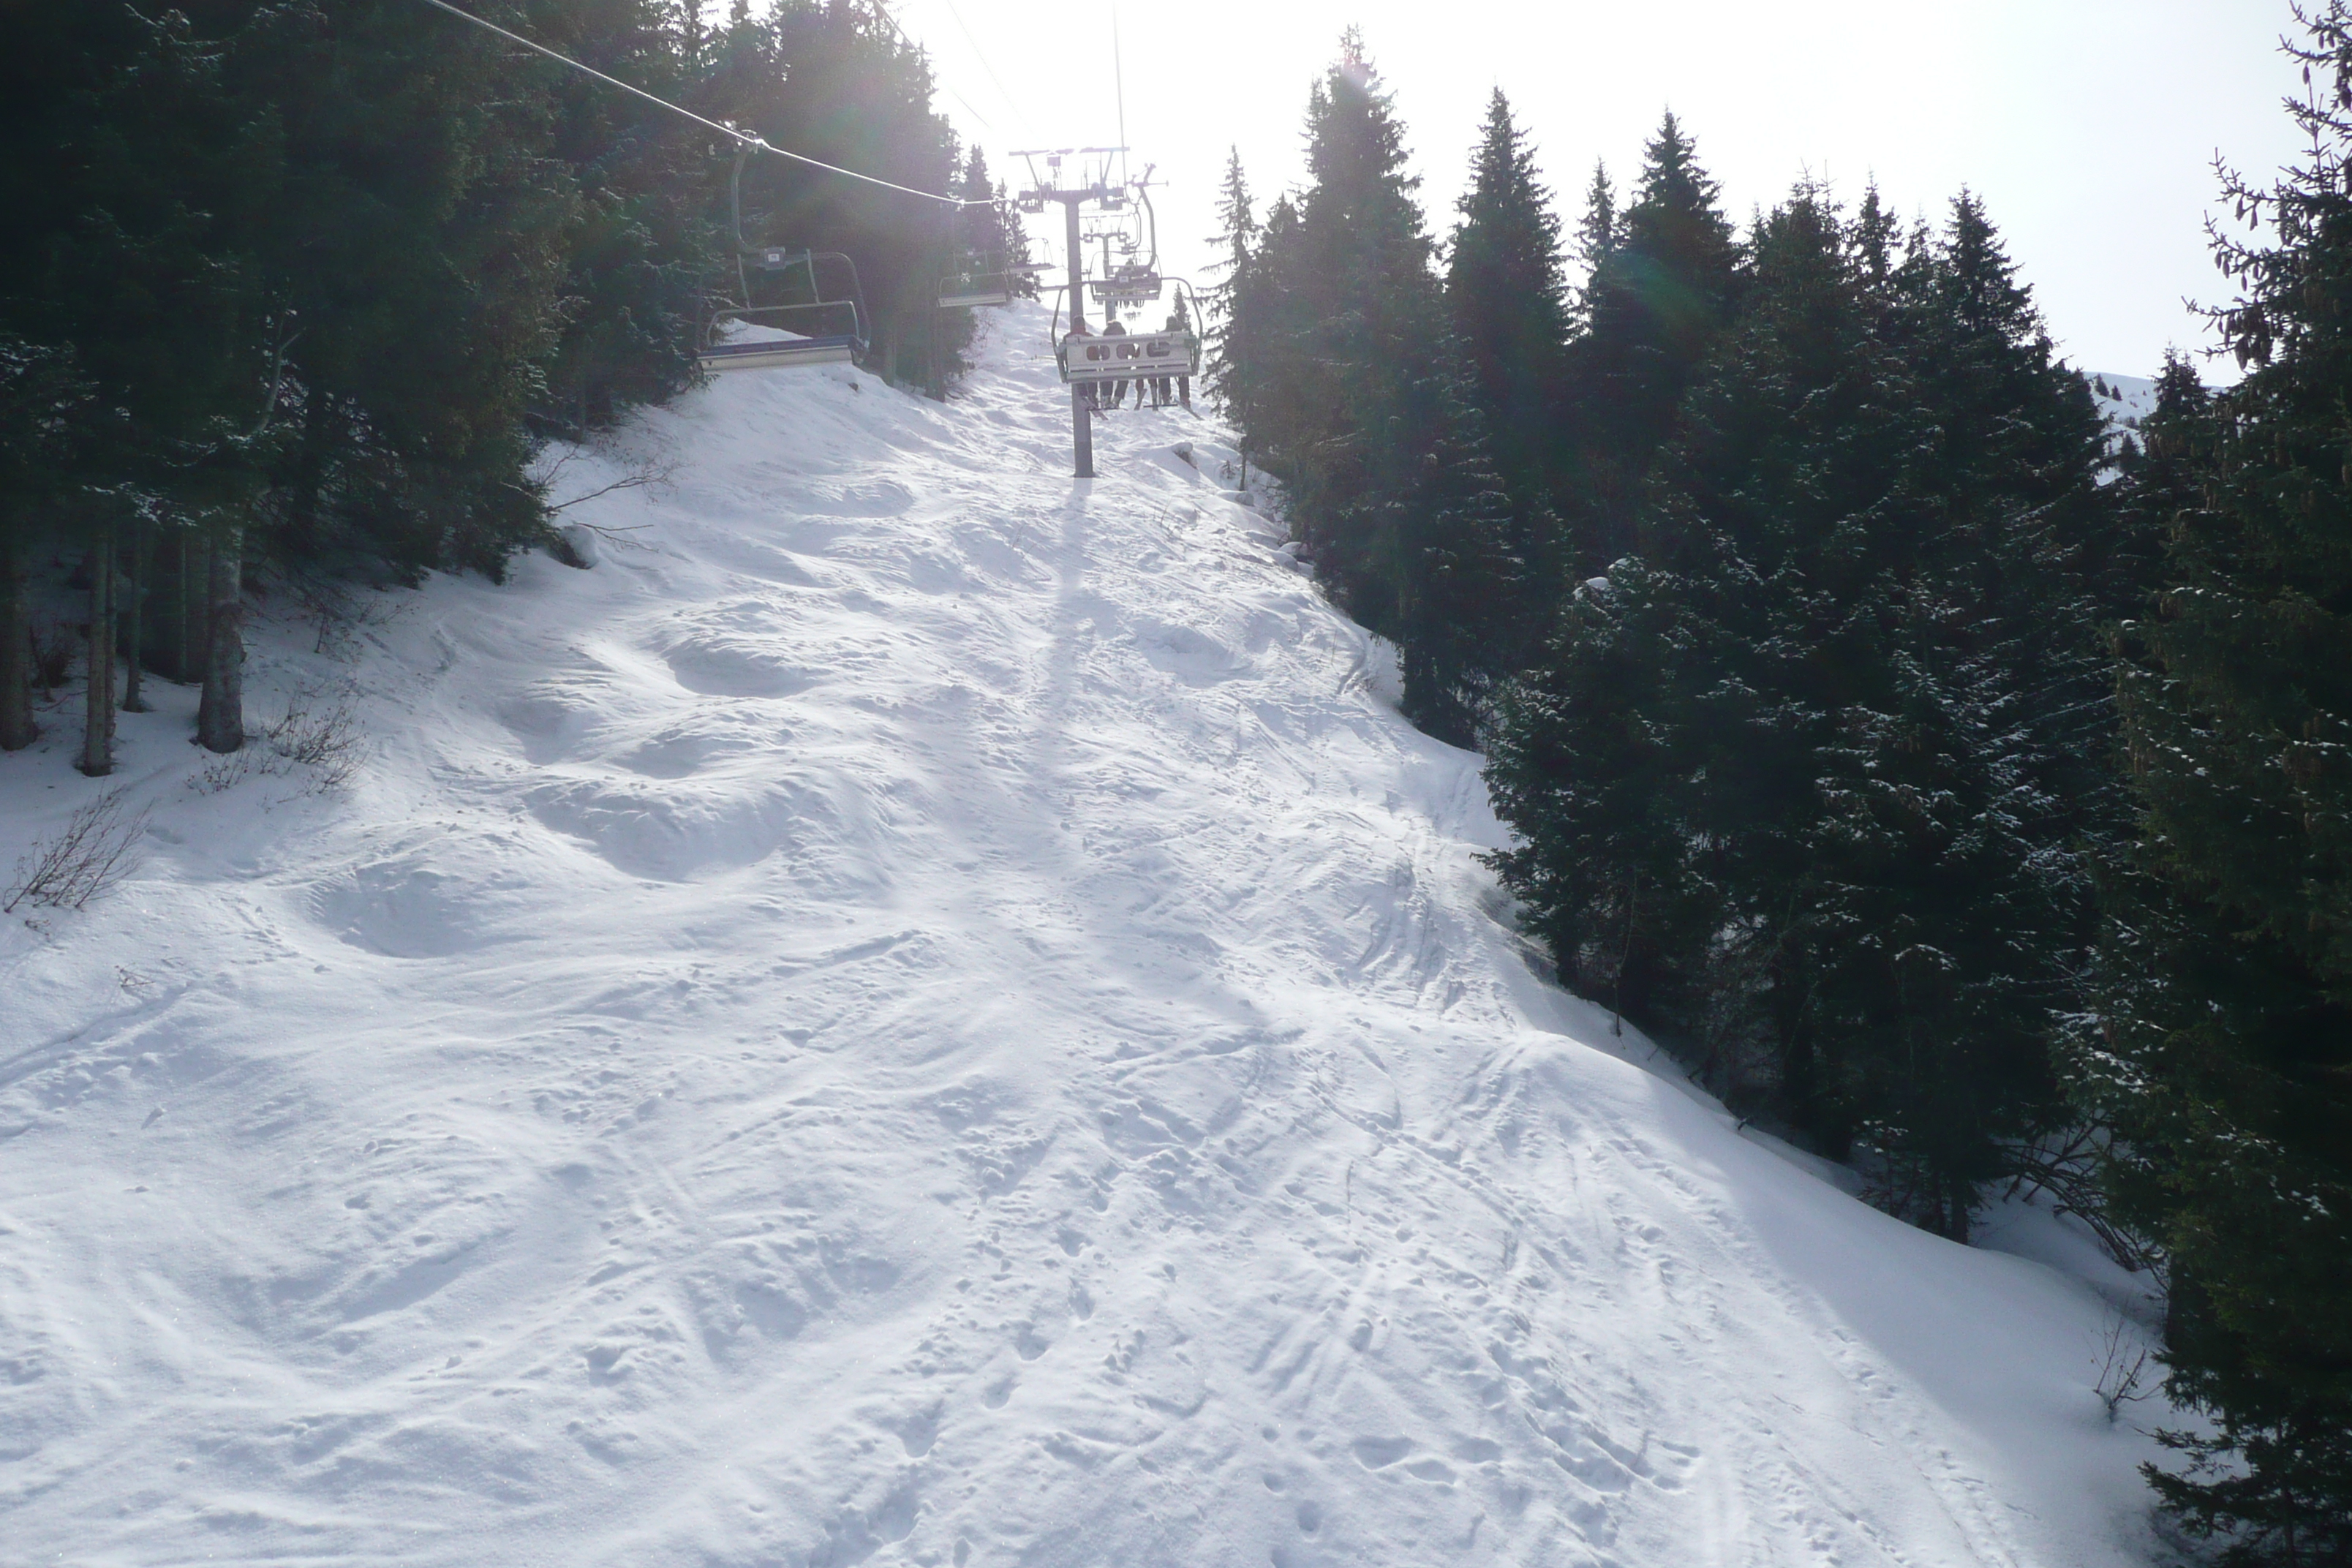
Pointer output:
2221, 1053
43, 401
1597, 235
1655, 303
1231, 327
1507, 300
1787, 789
1357, 403
1358, 316
1461, 621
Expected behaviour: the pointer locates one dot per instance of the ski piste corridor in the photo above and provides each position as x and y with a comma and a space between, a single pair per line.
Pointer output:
927, 1012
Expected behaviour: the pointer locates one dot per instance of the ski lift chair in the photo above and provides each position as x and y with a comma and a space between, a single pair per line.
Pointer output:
1132, 283
1135, 356
817, 331
822, 330
976, 286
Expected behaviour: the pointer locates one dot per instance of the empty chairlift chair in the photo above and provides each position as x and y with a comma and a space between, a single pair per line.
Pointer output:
1130, 283
787, 333
975, 286
812, 332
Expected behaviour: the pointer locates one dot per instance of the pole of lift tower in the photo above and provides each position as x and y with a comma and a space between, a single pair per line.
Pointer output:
1082, 430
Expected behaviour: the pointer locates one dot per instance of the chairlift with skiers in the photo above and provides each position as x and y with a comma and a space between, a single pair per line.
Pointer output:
1121, 356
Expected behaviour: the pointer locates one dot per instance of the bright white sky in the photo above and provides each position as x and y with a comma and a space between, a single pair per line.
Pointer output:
2088, 125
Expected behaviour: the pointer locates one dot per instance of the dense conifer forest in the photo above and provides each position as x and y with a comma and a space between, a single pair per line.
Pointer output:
1952, 782
1964, 791
297, 289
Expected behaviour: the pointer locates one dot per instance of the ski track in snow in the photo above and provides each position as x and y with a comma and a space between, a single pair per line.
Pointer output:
922, 1012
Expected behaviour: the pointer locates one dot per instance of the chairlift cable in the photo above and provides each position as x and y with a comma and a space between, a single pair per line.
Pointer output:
981, 55
1118, 80
758, 143
882, 11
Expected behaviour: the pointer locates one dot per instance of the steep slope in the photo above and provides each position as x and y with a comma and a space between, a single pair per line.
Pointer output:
923, 1012
2124, 402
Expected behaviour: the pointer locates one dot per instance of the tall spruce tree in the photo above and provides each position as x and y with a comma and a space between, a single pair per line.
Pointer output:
1231, 328
1507, 298
1663, 287
2223, 1050
2158, 478
429, 291
140, 178
1596, 232
44, 401
1359, 402
1463, 615
1784, 791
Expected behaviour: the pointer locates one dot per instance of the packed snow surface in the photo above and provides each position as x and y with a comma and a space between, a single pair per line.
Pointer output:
2124, 401
923, 1011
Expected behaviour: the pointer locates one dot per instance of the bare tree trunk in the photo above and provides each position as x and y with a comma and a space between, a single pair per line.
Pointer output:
98, 711
17, 730
129, 615
220, 714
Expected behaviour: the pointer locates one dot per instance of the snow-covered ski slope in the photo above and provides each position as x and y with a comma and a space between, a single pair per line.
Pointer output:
926, 1012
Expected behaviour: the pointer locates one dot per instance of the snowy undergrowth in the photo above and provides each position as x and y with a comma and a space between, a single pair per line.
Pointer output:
924, 1012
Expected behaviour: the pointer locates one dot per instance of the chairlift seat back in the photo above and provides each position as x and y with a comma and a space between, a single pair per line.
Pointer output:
1134, 357
976, 289
1126, 290
790, 350
788, 354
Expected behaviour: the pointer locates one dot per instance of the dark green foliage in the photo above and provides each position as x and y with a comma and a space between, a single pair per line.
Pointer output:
1461, 613
1230, 332
415, 242
835, 80
1662, 285
1596, 232
1508, 302
1350, 392
2223, 1050
326, 273
1791, 787
44, 399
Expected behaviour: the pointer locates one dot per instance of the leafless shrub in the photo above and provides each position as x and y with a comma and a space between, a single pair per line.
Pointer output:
2064, 1165
2123, 1367
576, 542
88, 857
318, 734
318, 740
225, 773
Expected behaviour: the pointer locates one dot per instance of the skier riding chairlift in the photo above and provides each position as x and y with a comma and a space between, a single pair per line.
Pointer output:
1178, 322
1113, 328
1090, 392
